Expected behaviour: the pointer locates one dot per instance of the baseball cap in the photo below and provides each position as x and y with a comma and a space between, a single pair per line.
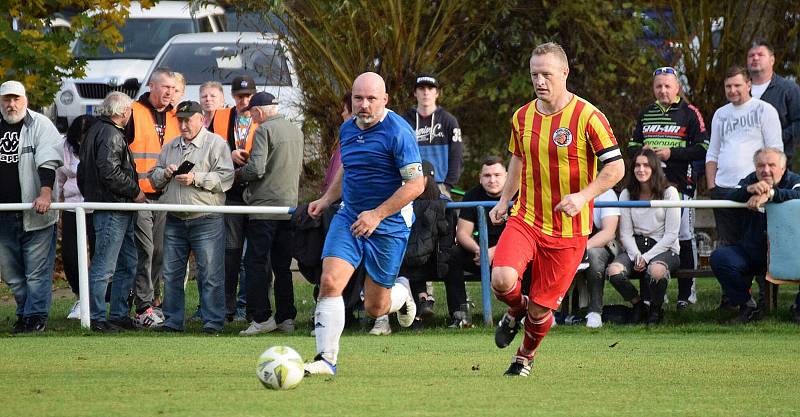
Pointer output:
12, 87
188, 108
427, 169
261, 99
243, 84
426, 79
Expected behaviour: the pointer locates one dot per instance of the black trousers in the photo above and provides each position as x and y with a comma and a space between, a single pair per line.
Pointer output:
69, 246
268, 244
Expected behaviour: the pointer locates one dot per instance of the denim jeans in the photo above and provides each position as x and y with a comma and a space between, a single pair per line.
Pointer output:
26, 264
205, 236
114, 255
268, 243
734, 269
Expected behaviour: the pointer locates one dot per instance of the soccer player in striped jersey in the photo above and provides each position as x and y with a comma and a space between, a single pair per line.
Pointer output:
556, 142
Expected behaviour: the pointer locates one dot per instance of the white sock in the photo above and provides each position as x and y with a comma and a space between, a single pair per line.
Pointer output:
328, 326
399, 294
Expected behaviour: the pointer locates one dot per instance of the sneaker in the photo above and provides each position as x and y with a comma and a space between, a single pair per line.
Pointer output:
167, 329
407, 313
381, 327
158, 312
461, 320
693, 293
75, 311
682, 305
656, 315
36, 324
794, 311
241, 314
196, 317
98, 326
506, 331
425, 309
639, 313
594, 320
417, 325
747, 314
320, 366
258, 328
519, 367
286, 326
148, 318
125, 323
19, 325
211, 331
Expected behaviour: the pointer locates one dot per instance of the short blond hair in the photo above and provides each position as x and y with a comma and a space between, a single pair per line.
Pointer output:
551, 48
180, 79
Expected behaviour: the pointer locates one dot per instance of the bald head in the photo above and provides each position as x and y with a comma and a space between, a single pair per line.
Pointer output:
369, 99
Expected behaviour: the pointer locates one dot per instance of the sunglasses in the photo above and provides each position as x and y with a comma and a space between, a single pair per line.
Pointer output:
665, 70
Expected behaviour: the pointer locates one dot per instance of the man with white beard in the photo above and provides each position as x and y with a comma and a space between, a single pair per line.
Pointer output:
30, 153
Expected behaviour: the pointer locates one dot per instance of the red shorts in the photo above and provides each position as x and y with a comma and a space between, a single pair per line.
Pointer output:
555, 260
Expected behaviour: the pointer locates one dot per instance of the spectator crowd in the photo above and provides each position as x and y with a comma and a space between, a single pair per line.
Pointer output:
160, 149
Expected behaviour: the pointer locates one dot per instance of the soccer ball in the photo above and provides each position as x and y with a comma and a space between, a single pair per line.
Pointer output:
280, 368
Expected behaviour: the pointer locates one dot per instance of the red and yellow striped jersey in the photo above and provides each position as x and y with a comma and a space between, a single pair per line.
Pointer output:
559, 155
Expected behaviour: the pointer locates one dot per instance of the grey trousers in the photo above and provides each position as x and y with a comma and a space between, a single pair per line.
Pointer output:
149, 234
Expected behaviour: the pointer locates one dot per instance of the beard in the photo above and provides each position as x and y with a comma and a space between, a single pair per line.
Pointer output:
14, 118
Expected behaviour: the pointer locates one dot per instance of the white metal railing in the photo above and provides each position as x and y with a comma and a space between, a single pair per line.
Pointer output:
82, 245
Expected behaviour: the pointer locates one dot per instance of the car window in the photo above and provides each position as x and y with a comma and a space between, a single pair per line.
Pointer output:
141, 39
201, 62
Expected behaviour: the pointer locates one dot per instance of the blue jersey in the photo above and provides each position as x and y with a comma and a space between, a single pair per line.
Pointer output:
372, 159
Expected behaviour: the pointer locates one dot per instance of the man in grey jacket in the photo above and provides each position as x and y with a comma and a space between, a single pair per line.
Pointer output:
107, 174
273, 176
204, 183
30, 153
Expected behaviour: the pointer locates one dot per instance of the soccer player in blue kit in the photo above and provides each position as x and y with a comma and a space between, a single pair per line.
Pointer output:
381, 175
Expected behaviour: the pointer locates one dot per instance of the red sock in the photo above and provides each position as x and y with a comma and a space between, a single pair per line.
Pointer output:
514, 299
535, 331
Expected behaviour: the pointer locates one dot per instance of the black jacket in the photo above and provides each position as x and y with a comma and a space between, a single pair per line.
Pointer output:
107, 172
431, 237
784, 95
754, 239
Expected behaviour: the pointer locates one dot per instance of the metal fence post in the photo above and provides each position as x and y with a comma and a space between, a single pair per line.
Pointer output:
83, 265
486, 285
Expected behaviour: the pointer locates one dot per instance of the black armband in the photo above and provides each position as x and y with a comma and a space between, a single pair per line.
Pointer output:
47, 177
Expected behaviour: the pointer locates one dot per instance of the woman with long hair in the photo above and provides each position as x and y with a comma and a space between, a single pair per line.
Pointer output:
650, 238
68, 184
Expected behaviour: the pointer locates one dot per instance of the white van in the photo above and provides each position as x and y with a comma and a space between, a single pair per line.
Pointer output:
221, 57
144, 33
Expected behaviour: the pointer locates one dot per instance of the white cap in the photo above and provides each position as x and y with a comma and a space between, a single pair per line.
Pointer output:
12, 87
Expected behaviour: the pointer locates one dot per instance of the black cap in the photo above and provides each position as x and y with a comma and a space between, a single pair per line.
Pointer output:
188, 108
261, 99
427, 169
243, 84
426, 79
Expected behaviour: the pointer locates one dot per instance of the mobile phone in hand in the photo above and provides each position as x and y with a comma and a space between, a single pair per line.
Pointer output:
185, 167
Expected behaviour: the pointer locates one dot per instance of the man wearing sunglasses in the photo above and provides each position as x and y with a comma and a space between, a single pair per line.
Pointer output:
676, 131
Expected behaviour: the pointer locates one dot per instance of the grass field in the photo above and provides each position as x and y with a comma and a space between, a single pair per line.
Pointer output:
689, 366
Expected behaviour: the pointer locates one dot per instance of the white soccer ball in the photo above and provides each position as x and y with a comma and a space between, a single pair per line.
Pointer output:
280, 368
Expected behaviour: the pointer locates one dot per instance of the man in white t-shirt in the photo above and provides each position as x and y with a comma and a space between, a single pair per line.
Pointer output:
601, 248
738, 130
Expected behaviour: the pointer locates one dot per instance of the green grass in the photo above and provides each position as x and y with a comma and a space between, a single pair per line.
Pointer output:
689, 366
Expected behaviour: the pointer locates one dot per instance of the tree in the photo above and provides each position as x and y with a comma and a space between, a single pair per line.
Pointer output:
333, 42
34, 53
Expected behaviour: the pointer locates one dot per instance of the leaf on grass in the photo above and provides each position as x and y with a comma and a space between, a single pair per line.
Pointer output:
476, 367
614, 344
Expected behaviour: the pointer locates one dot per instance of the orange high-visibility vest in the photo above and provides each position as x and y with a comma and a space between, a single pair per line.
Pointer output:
221, 125
147, 142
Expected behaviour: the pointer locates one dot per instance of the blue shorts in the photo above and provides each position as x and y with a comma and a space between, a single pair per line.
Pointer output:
382, 254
